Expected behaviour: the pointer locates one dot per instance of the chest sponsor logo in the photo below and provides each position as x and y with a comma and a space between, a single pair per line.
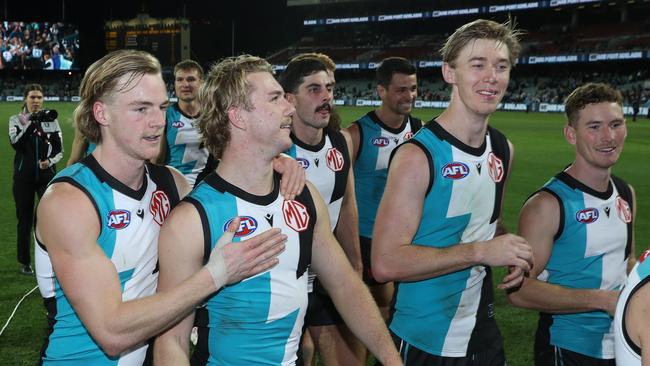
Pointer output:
455, 170
334, 160
408, 136
381, 141
303, 162
623, 210
587, 216
160, 206
495, 168
178, 124
119, 219
295, 215
247, 226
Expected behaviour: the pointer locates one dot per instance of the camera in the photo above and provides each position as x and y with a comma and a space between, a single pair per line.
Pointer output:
44, 115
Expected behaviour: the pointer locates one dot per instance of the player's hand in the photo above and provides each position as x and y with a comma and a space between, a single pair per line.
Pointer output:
508, 250
43, 164
513, 279
611, 299
232, 262
293, 176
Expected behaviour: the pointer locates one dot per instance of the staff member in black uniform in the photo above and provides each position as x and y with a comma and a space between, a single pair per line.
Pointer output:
36, 136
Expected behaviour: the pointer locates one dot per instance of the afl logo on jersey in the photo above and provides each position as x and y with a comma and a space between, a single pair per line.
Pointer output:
587, 216
159, 206
623, 210
408, 136
295, 215
303, 162
119, 219
380, 141
334, 159
178, 124
247, 226
455, 170
495, 168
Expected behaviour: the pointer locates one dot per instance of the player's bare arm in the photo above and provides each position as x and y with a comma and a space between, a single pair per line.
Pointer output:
396, 258
348, 292
353, 134
347, 231
79, 146
538, 223
631, 259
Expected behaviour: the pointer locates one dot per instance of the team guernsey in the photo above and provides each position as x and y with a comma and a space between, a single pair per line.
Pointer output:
590, 251
185, 150
452, 315
628, 353
130, 223
257, 321
376, 142
327, 165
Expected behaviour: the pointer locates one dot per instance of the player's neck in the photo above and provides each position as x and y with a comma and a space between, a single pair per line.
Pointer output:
591, 176
247, 171
307, 134
389, 118
127, 170
190, 108
467, 127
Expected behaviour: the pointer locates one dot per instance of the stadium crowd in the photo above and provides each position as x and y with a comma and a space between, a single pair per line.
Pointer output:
34, 45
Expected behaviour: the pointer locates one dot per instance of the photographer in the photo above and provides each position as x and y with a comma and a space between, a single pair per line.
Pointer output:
36, 136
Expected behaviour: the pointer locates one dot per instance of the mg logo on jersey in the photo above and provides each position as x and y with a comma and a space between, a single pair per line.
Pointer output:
303, 162
247, 226
159, 206
623, 210
178, 124
495, 168
380, 141
119, 219
334, 159
295, 215
455, 170
587, 216
408, 136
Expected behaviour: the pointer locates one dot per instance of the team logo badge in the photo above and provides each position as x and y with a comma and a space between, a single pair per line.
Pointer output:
119, 219
380, 141
334, 159
587, 216
295, 215
495, 168
408, 136
623, 210
303, 162
178, 124
455, 170
247, 226
160, 206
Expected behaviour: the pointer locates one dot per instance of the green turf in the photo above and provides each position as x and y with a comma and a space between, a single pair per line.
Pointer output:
540, 152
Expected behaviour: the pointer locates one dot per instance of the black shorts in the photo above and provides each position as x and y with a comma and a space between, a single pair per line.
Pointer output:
413, 356
368, 278
321, 310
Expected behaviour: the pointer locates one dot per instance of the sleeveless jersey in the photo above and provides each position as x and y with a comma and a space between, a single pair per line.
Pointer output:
627, 352
453, 314
327, 166
257, 321
376, 142
130, 223
185, 150
590, 251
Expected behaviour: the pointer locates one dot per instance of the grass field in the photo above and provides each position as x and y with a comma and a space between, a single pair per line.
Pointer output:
540, 152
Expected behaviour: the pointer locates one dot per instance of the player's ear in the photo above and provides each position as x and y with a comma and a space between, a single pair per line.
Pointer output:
100, 112
234, 115
448, 73
381, 91
570, 133
290, 98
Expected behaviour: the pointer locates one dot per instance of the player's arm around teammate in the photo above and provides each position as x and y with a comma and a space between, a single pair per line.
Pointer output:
91, 283
347, 231
539, 220
396, 258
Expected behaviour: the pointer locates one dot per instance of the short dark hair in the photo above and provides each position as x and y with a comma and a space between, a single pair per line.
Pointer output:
393, 65
297, 70
590, 93
188, 65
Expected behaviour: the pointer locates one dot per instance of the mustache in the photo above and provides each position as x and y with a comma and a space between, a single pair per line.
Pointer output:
324, 106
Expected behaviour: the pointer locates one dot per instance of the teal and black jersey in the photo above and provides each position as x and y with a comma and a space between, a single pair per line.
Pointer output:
628, 353
130, 223
257, 321
185, 150
376, 143
590, 251
452, 315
